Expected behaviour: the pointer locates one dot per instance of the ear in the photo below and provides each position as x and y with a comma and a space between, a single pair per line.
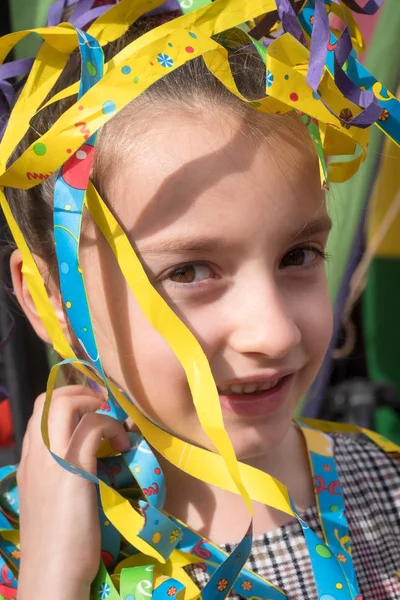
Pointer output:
25, 299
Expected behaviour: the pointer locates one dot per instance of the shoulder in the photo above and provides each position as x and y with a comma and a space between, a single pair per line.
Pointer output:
370, 477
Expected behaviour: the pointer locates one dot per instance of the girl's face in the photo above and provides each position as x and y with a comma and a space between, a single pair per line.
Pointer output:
231, 233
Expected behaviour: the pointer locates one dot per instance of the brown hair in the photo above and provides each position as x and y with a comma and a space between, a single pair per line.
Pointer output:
190, 88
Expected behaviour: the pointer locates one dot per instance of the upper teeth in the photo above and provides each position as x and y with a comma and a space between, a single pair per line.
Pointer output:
249, 388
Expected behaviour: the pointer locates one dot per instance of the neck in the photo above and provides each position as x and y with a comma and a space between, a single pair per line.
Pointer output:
209, 509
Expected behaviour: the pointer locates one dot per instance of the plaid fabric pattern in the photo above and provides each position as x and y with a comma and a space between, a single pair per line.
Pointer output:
370, 481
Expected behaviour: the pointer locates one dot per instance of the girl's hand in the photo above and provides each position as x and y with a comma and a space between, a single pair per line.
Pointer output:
59, 525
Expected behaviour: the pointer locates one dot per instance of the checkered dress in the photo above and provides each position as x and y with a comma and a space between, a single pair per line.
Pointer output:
370, 482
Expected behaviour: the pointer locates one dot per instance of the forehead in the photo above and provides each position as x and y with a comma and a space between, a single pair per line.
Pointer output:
206, 172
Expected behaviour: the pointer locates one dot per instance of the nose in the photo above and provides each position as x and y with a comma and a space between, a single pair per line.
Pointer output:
263, 321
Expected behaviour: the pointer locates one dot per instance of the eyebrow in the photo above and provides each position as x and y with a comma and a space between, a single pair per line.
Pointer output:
322, 224
182, 245
189, 244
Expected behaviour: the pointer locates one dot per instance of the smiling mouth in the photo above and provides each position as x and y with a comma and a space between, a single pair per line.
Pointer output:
252, 400
247, 388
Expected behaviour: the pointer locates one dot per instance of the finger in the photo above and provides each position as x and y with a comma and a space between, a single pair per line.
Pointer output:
86, 439
65, 413
65, 416
131, 425
68, 390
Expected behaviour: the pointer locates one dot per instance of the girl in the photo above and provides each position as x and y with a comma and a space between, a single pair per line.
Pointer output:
224, 207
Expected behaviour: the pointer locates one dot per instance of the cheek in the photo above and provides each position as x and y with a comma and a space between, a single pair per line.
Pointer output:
207, 322
309, 305
158, 371
139, 360
316, 318
133, 353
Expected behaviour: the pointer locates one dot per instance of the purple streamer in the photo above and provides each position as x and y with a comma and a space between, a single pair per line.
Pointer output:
8, 91
17, 68
82, 15
81, 21
319, 45
262, 30
342, 52
290, 22
55, 14
363, 98
168, 6
82, 7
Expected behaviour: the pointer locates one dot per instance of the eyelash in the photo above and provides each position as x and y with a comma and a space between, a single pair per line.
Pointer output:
193, 263
322, 255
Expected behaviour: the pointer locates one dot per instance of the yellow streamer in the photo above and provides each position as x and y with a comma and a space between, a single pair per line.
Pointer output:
196, 461
286, 56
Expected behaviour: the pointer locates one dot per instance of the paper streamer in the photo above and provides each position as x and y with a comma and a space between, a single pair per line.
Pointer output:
308, 69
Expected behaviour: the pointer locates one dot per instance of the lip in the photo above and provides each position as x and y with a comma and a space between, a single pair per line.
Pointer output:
257, 404
271, 376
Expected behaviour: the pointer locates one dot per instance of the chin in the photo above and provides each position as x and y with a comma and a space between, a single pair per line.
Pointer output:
254, 442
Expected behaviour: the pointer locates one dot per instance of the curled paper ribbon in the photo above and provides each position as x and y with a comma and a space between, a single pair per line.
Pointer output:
312, 81
126, 567
84, 13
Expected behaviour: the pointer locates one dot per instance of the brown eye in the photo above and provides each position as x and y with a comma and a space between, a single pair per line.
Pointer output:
190, 274
302, 257
183, 275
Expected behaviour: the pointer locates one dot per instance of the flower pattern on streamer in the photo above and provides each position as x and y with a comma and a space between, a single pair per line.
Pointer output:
384, 115
270, 79
172, 591
222, 584
165, 60
247, 585
104, 591
175, 533
345, 116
